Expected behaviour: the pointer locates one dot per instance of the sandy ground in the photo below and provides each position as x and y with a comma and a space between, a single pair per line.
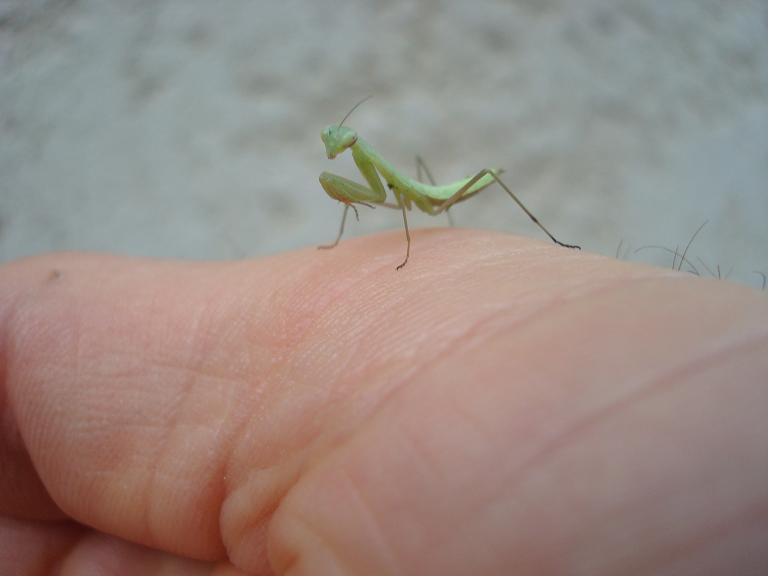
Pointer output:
183, 128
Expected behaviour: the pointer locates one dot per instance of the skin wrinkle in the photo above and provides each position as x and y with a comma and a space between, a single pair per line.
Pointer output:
677, 552
194, 331
309, 465
487, 258
645, 391
12, 443
309, 456
483, 241
365, 506
478, 332
279, 367
77, 372
556, 303
16, 326
238, 438
384, 267
294, 311
229, 446
295, 561
160, 455
256, 525
351, 287
10, 311
196, 378
227, 463
241, 434
471, 336
746, 520
271, 495
655, 386
289, 566
292, 565
450, 346
357, 336
223, 487
191, 382
274, 375
29, 300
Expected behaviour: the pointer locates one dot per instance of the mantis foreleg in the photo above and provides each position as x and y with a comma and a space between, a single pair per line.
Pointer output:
341, 228
350, 193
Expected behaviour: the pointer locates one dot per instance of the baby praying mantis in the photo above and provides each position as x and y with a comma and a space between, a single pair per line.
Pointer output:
407, 192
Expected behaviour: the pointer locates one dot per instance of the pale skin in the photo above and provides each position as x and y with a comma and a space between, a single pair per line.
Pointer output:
514, 408
429, 198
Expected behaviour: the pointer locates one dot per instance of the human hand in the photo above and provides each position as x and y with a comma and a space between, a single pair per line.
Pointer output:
499, 406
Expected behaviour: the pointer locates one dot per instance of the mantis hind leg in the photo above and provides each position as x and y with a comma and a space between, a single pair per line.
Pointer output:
422, 166
464, 194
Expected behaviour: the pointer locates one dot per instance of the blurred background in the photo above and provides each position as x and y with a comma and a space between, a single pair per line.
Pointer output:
183, 128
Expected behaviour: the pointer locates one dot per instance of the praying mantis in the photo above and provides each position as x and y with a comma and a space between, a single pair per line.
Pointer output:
429, 198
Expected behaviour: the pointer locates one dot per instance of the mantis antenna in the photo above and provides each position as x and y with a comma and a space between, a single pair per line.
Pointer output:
354, 108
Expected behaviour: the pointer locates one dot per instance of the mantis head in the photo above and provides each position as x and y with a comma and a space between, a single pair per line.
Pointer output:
337, 139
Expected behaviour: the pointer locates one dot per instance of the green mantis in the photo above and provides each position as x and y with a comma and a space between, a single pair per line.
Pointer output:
430, 198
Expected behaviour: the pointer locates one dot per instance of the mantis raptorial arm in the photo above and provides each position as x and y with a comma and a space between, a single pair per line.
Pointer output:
348, 192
